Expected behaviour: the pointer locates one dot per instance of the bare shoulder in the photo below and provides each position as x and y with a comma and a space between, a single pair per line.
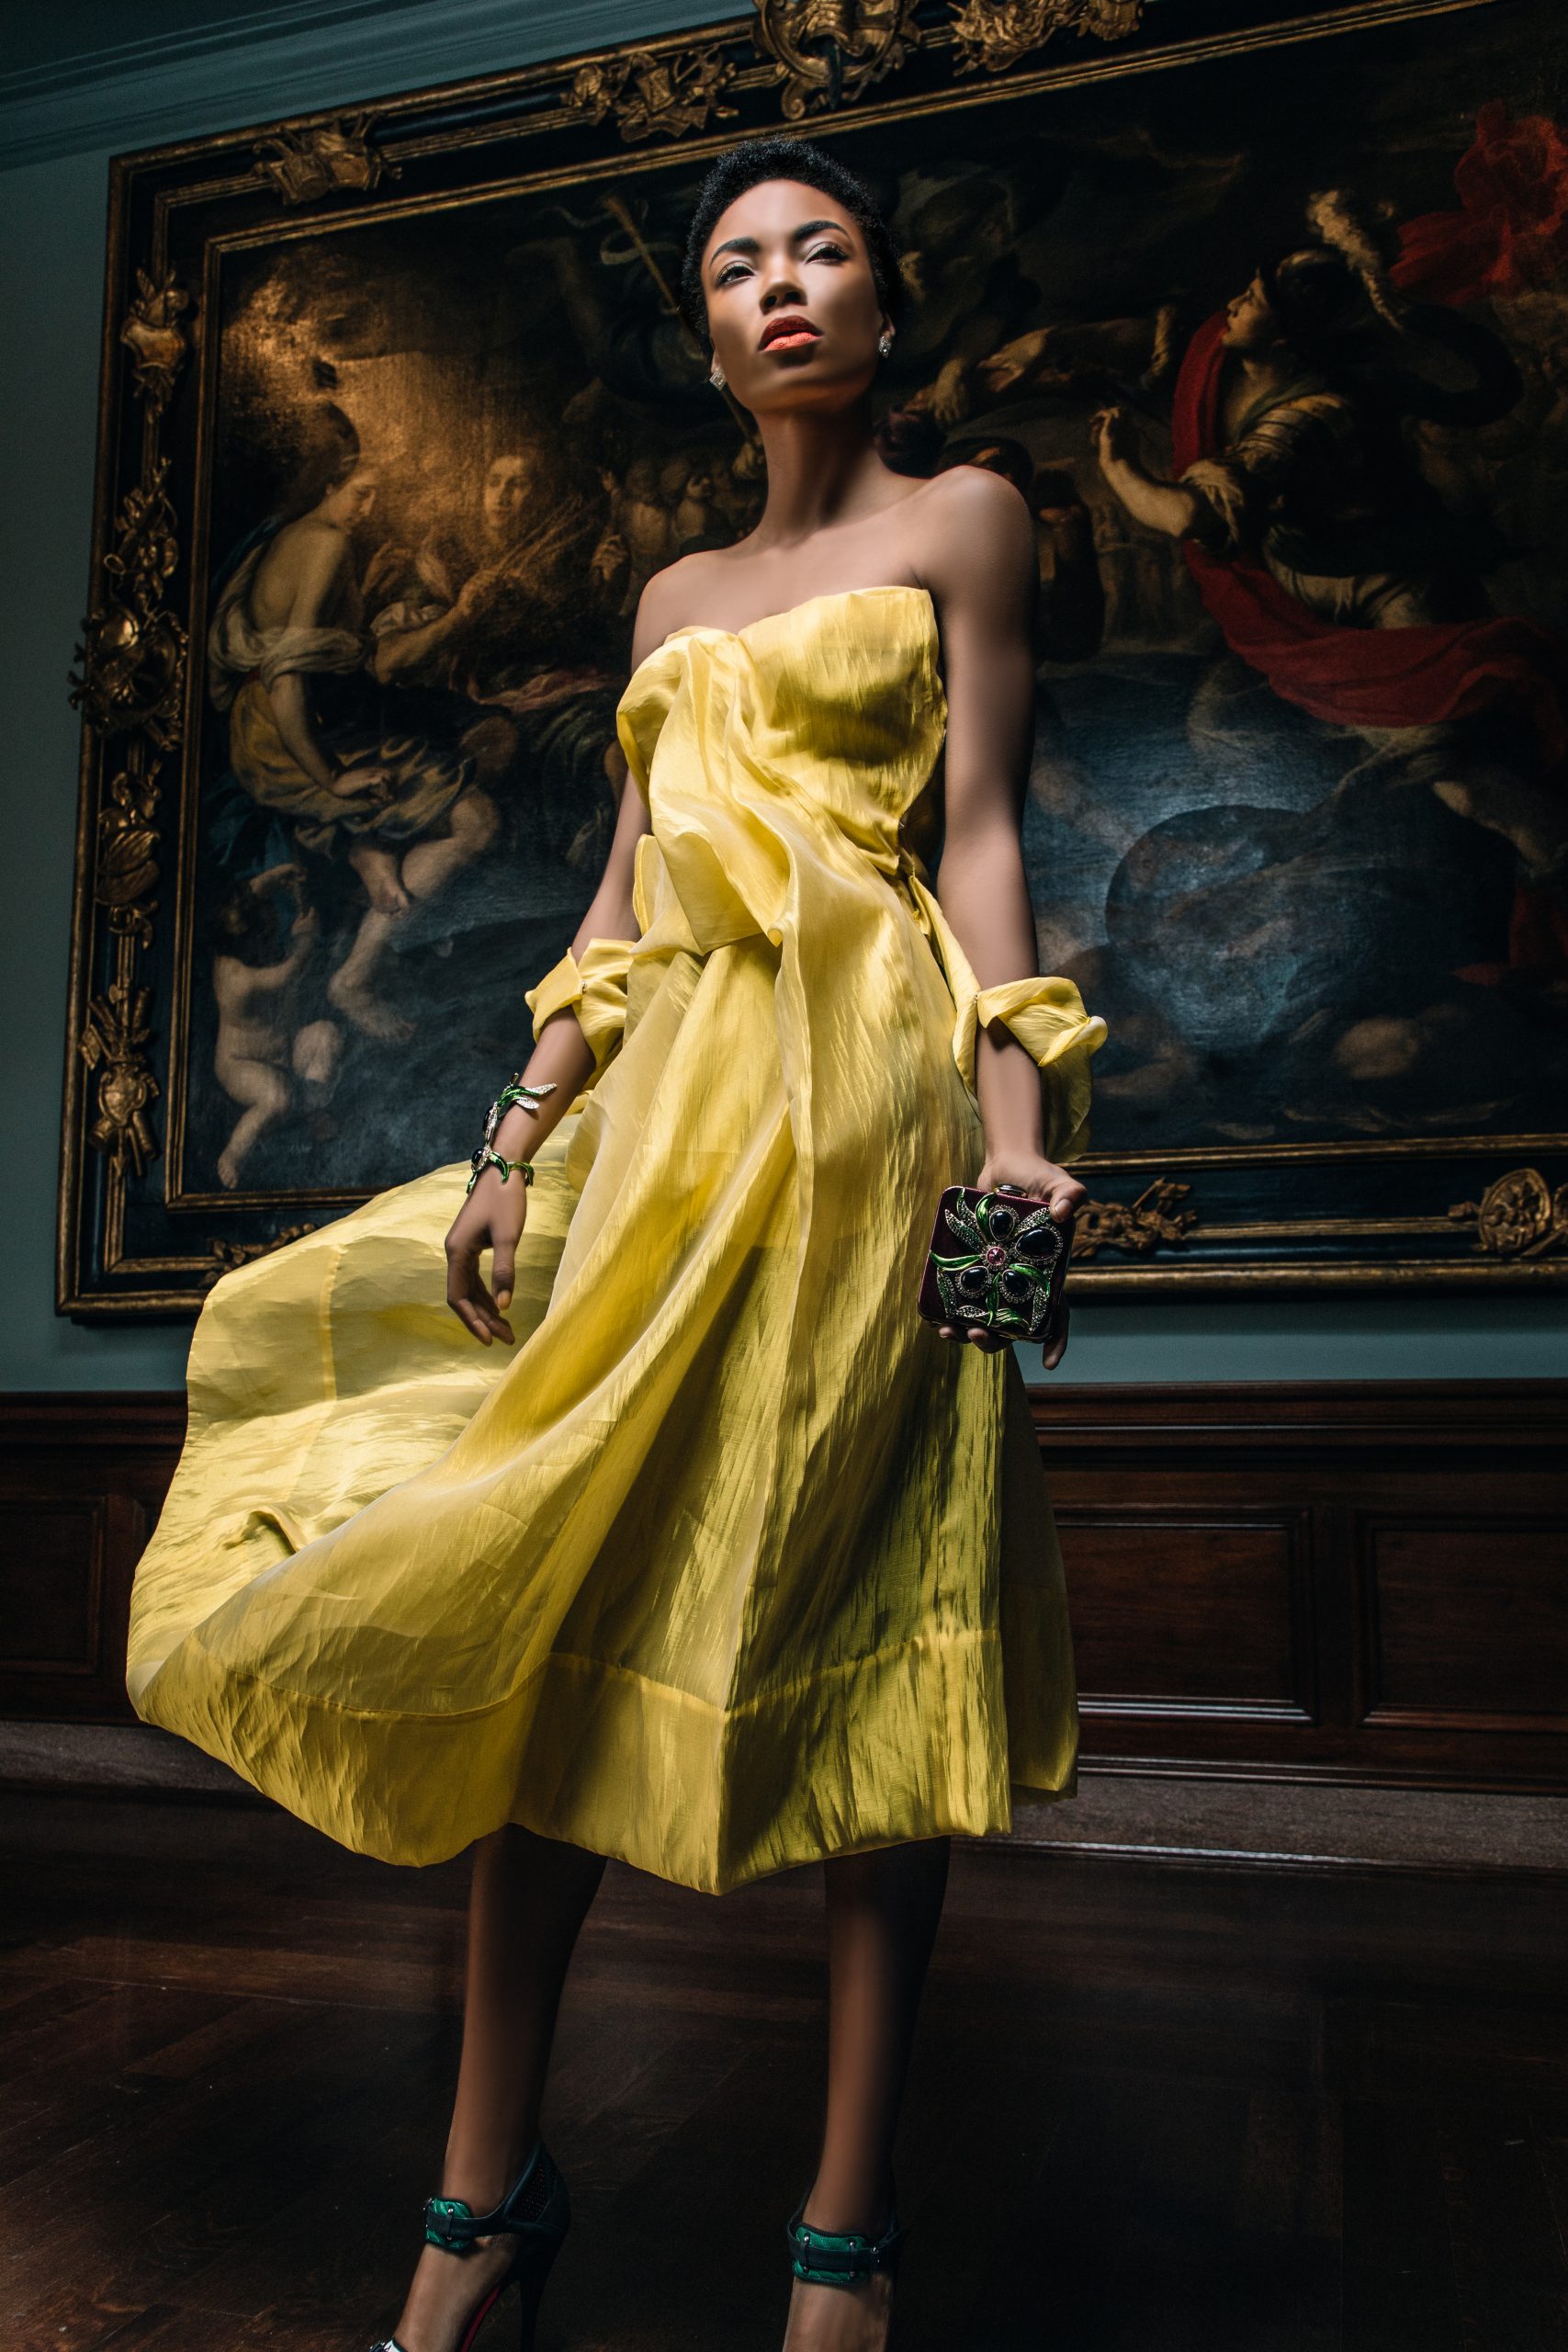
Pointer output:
310, 545
312, 531
973, 549
670, 598
970, 509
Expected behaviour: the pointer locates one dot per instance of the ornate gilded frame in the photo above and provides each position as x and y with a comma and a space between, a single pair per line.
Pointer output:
1471, 1212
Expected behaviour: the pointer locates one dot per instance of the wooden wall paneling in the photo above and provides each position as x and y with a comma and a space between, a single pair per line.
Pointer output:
1188, 1610
1464, 1618
1348, 1580
51, 1578
81, 1481
1334, 1591
1424, 1611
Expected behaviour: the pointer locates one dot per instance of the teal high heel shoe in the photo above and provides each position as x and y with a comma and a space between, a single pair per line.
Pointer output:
841, 2258
536, 2211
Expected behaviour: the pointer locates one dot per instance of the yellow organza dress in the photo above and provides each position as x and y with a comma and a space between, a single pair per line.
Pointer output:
731, 1562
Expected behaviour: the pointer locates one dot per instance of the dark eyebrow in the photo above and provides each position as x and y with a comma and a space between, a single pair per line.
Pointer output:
750, 244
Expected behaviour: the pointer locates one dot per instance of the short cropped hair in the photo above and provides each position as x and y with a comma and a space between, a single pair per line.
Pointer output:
746, 166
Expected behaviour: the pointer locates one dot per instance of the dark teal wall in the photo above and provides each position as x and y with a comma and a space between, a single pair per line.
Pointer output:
52, 236
51, 228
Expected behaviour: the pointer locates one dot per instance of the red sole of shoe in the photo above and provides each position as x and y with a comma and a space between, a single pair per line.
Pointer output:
480, 2316
530, 2281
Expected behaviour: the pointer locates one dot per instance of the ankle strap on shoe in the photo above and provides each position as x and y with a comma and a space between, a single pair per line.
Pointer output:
535, 2201
839, 2257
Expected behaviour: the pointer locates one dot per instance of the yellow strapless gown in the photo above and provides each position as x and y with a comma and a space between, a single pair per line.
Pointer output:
731, 1563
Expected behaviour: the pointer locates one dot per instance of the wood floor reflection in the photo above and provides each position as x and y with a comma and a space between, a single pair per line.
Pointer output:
1155, 2107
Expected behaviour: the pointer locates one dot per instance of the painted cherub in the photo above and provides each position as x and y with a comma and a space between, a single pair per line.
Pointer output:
261, 1059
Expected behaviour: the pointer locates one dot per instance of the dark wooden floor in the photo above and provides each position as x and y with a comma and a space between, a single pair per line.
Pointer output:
1155, 2108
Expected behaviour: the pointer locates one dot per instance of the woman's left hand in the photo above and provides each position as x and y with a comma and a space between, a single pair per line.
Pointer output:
1041, 1179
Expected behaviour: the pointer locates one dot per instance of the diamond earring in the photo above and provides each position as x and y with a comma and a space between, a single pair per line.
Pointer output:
885, 341
717, 377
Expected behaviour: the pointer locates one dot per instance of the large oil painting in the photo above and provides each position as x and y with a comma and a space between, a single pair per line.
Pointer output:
1271, 335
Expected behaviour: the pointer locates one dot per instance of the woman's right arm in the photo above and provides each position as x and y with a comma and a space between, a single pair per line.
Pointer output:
492, 1217
1159, 506
563, 1053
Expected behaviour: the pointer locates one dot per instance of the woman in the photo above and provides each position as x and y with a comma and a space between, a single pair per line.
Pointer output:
734, 1564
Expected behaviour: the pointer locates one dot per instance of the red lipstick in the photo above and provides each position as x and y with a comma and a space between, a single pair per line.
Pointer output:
790, 326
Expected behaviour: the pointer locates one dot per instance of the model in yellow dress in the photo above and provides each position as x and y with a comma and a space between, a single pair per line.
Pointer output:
734, 1562
730, 1562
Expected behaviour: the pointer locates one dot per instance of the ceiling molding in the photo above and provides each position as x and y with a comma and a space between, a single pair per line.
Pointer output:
310, 54
272, 20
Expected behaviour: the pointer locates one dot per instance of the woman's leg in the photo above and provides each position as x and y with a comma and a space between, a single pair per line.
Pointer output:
529, 1897
883, 1911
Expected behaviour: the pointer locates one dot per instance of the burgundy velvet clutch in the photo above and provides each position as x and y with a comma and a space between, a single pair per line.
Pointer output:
999, 1259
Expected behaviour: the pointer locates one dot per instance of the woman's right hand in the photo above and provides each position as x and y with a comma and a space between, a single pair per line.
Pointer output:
491, 1219
1115, 435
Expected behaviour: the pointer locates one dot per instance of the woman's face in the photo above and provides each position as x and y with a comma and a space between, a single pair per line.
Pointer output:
784, 253
505, 496
352, 499
1250, 324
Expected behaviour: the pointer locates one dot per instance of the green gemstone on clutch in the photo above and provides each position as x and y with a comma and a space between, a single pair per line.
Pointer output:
990, 1283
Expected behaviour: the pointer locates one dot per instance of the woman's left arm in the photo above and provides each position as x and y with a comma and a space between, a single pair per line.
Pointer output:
985, 582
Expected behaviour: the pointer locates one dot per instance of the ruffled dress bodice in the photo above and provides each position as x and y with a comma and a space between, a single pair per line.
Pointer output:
781, 764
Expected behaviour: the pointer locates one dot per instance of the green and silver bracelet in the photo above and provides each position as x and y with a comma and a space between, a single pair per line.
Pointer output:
486, 1156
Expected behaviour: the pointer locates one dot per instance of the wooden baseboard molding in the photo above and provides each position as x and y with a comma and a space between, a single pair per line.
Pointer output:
1358, 1582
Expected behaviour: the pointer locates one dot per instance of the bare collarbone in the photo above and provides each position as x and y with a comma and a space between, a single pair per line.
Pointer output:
723, 588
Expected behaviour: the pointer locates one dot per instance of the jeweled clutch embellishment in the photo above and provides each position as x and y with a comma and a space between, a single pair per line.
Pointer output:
1007, 1274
